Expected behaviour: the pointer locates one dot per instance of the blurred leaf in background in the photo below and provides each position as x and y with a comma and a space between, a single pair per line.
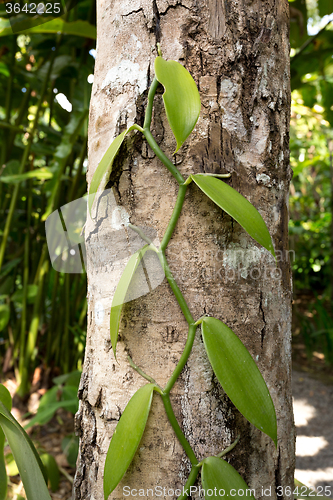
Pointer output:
311, 145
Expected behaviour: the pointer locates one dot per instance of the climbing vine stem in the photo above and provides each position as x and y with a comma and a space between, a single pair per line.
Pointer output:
231, 362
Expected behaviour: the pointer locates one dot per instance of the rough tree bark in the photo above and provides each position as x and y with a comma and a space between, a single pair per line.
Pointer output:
238, 54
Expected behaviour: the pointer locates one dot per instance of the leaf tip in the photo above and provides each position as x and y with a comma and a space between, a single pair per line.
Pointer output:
115, 354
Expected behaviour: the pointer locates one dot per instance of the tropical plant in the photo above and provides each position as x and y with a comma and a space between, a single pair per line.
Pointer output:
43, 164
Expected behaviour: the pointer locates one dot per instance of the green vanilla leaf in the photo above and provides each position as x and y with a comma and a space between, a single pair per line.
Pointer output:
126, 437
181, 98
239, 376
219, 478
26, 457
237, 207
104, 169
40, 173
120, 294
70, 447
6, 399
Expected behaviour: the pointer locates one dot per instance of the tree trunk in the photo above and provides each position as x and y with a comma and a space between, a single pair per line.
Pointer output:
238, 54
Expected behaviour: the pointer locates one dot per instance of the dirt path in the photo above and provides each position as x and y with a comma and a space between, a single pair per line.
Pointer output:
313, 409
